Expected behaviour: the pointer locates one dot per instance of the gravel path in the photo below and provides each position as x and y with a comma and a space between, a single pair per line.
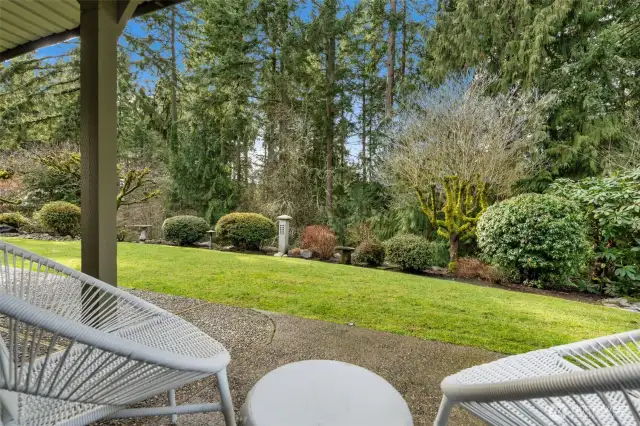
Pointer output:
261, 341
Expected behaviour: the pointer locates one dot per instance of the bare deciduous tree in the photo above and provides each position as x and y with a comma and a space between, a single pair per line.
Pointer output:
455, 144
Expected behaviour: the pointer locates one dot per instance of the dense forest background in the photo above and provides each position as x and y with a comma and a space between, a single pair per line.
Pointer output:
291, 107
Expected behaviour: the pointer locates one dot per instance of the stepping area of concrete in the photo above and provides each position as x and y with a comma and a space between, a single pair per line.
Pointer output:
262, 341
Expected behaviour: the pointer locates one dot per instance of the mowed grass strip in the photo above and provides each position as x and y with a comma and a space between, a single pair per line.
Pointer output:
428, 308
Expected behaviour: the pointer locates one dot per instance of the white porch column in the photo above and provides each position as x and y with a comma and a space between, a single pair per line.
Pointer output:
99, 31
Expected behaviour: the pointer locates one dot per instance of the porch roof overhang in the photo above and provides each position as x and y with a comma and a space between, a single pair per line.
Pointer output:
27, 25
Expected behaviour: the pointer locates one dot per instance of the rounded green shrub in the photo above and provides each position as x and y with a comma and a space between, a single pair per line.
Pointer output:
541, 239
184, 230
245, 230
14, 219
409, 252
370, 252
60, 217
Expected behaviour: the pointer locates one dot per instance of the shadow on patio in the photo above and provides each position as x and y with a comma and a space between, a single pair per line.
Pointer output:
262, 341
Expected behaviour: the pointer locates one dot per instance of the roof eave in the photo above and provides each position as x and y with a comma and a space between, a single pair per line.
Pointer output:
142, 9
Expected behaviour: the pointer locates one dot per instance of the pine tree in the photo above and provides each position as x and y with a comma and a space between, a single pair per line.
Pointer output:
584, 51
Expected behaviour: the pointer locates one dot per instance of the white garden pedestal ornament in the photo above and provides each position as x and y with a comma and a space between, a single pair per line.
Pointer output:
283, 233
143, 232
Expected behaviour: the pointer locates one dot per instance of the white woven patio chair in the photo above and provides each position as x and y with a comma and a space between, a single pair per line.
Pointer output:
594, 382
74, 349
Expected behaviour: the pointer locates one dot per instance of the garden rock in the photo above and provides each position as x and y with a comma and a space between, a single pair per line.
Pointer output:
269, 249
228, 248
619, 301
6, 229
622, 303
306, 254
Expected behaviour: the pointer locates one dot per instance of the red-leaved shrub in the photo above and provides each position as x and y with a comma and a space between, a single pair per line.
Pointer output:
320, 240
474, 268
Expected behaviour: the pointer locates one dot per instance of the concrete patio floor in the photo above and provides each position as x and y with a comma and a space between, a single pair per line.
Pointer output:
262, 341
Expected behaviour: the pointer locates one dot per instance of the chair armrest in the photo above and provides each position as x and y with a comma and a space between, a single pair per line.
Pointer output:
598, 344
24, 312
624, 377
69, 293
51, 356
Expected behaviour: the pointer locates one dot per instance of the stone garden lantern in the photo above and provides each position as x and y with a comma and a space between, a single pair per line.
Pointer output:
283, 233
211, 232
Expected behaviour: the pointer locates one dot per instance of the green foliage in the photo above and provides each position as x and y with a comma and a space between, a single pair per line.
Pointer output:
15, 220
612, 206
184, 230
245, 230
586, 51
542, 239
355, 206
409, 252
201, 175
61, 217
320, 239
440, 252
54, 176
370, 252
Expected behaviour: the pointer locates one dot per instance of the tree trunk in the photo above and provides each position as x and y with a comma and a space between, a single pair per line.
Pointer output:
174, 83
391, 60
330, 113
454, 247
270, 136
403, 60
364, 127
238, 161
246, 164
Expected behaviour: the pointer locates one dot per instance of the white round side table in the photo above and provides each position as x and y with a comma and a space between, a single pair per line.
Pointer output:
324, 393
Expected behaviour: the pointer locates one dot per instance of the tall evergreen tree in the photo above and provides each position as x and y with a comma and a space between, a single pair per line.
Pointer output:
587, 52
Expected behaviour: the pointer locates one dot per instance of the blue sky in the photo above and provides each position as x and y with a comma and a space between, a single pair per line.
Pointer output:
148, 79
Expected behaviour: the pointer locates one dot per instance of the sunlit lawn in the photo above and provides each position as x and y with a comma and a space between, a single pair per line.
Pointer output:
427, 308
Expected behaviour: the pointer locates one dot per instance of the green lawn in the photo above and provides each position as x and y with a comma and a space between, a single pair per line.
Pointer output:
434, 309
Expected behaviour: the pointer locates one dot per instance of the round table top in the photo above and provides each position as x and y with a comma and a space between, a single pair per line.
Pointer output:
324, 393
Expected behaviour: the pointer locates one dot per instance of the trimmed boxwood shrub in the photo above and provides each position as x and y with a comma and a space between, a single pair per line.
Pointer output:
541, 239
14, 219
409, 252
369, 251
60, 217
184, 230
245, 230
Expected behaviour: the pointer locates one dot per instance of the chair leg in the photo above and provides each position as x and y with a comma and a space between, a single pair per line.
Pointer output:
443, 413
225, 395
172, 402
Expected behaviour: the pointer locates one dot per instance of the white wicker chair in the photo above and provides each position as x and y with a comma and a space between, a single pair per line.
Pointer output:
594, 382
74, 349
